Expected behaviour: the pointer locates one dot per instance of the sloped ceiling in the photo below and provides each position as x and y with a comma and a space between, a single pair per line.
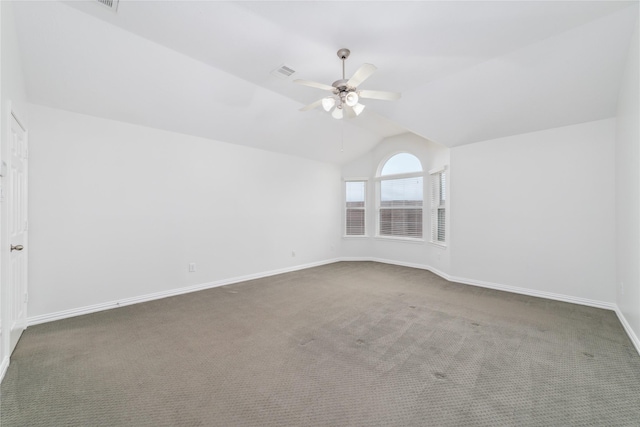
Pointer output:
468, 71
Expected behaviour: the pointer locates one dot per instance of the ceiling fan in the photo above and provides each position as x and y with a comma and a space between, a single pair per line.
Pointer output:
345, 94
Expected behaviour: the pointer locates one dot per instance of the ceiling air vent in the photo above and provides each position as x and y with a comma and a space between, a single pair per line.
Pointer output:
284, 72
111, 4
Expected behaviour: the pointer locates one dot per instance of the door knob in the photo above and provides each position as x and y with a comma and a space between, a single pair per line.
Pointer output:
17, 247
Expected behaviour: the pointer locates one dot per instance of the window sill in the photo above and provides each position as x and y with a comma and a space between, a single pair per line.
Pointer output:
355, 237
401, 239
438, 244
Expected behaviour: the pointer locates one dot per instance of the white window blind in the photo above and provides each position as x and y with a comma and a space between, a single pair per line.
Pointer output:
400, 197
438, 206
355, 206
401, 207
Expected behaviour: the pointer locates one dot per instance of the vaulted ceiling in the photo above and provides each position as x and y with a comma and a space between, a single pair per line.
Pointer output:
467, 71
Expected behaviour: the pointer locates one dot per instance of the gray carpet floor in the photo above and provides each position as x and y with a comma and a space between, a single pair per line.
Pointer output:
346, 344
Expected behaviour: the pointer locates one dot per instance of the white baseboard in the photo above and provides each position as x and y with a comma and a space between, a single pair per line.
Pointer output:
523, 291
4, 365
354, 258
496, 286
413, 265
401, 263
536, 293
179, 291
65, 314
627, 328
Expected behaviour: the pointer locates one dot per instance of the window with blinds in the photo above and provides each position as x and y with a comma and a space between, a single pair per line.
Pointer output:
355, 208
438, 206
400, 197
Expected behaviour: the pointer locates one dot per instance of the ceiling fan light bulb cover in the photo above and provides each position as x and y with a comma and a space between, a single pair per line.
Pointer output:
328, 103
351, 99
337, 113
358, 108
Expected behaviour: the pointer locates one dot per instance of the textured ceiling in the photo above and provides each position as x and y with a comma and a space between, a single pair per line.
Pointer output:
468, 71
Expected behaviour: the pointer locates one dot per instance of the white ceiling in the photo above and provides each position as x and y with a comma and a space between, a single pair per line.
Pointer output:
468, 71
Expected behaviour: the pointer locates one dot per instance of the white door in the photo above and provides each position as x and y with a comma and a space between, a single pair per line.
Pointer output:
16, 185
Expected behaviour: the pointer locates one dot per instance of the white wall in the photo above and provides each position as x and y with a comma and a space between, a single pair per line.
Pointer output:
118, 211
536, 212
628, 194
12, 97
423, 253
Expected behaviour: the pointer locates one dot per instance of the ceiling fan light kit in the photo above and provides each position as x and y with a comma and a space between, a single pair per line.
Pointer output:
346, 96
358, 108
328, 103
351, 99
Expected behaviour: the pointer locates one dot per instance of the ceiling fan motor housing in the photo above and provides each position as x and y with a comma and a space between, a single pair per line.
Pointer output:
342, 89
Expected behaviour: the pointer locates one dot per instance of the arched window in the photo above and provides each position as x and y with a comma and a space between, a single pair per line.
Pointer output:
400, 197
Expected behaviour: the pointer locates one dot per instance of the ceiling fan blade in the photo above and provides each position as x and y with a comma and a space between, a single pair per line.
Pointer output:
314, 84
363, 73
312, 105
378, 94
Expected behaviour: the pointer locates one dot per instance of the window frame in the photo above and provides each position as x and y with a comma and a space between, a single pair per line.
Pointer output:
437, 204
345, 208
379, 179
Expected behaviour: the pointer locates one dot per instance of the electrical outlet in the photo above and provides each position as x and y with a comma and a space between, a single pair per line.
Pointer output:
192, 267
293, 254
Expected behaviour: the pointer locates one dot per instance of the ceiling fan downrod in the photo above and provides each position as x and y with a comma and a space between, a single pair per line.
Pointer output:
341, 88
343, 54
